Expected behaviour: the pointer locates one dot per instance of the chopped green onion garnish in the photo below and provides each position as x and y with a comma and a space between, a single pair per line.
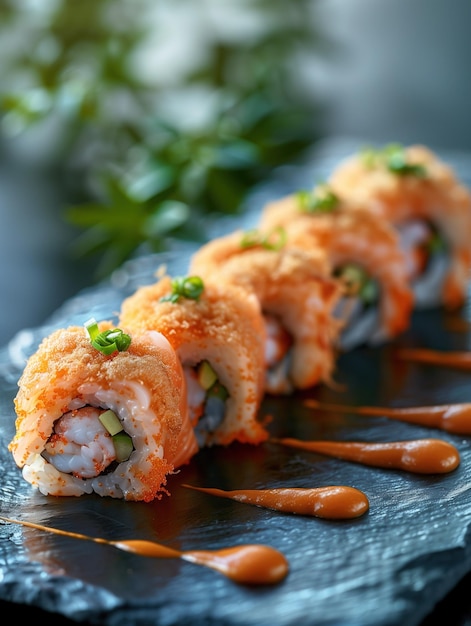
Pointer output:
393, 157
397, 164
273, 239
190, 287
320, 200
250, 239
107, 341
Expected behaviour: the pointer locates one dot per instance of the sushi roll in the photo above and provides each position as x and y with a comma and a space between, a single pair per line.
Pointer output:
297, 296
100, 411
430, 208
364, 255
218, 335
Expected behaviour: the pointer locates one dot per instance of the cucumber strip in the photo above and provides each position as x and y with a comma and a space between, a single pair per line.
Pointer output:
217, 391
111, 422
123, 446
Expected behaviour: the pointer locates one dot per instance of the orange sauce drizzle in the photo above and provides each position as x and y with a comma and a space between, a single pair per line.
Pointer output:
334, 502
457, 324
455, 359
419, 456
453, 418
245, 564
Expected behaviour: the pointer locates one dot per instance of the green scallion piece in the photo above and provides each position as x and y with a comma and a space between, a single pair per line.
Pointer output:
107, 341
393, 157
397, 164
190, 287
274, 239
321, 200
250, 239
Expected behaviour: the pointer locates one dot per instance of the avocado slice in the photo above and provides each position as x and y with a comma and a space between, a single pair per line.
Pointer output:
206, 375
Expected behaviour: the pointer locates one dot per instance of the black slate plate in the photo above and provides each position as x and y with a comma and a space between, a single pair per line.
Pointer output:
386, 568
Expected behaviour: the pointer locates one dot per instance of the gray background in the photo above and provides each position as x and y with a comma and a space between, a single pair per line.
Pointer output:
398, 70
395, 70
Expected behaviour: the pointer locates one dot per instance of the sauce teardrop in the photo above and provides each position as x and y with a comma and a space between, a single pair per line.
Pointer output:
244, 564
419, 456
455, 359
333, 502
453, 418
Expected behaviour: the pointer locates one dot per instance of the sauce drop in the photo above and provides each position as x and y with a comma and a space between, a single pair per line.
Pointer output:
453, 418
420, 456
244, 564
457, 359
333, 502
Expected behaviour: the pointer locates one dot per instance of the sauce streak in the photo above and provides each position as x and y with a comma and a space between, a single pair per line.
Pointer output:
453, 418
335, 502
457, 360
245, 564
457, 324
420, 456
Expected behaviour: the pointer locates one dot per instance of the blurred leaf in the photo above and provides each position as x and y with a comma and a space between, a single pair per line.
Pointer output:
165, 218
147, 173
225, 190
237, 154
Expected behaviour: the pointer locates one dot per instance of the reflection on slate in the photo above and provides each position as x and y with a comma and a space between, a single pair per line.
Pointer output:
385, 568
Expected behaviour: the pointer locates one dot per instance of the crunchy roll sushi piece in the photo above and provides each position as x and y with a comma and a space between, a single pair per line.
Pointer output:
97, 414
364, 255
218, 334
297, 297
430, 208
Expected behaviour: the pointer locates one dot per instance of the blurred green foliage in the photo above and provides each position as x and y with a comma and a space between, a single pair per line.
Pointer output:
165, 114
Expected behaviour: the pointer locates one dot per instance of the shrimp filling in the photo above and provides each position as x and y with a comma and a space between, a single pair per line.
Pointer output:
81, 445
278, 353
206, 400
